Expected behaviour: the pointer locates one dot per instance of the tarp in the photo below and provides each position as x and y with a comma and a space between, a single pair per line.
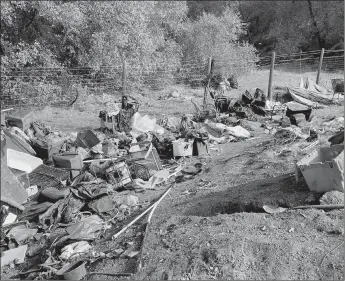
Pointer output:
311, 94
295, 94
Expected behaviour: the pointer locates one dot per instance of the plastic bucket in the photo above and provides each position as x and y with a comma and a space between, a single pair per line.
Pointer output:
182, 148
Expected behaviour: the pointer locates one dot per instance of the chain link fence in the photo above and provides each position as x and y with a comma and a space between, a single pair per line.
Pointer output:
31, 87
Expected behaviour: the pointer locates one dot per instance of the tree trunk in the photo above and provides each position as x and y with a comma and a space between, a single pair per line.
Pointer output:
317, 31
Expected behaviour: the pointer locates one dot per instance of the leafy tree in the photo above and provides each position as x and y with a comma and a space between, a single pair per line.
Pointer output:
290, 26
218, 37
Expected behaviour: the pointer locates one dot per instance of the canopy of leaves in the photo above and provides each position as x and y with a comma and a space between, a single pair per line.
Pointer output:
290, 26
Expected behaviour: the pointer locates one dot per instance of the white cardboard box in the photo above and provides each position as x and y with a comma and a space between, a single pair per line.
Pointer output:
323, 169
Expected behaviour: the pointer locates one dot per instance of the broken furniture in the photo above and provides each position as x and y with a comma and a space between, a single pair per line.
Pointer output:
207, 110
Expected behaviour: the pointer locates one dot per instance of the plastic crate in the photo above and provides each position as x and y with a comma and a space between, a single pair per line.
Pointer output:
149, 153
46, 176
119, 174
139, 171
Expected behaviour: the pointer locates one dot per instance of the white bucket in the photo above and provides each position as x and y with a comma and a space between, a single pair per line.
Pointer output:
182, 148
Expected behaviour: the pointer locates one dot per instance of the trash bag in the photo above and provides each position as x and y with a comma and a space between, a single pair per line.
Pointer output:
238, 132
233, 82
74, 248
129, 200
144, 124
247, 98
260, 95
102, 205
87, 229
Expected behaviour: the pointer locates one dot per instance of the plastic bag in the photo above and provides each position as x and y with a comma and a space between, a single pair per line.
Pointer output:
86, 229
238, 132
144, 124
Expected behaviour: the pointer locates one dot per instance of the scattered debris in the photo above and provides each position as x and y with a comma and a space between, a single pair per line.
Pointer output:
332, 197
57, 187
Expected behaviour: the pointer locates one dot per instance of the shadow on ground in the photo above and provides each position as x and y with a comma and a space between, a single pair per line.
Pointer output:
250, 197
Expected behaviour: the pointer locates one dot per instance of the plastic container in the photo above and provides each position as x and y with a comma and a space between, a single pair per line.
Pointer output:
119, 174
21, 119
182, 148
139, 171
87, 139
323, 169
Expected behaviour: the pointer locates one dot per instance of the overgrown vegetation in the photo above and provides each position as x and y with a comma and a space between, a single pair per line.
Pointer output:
49, 48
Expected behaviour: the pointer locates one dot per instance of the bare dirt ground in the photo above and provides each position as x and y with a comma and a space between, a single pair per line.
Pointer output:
223, 232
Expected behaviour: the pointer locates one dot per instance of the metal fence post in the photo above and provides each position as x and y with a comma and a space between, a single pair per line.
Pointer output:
124, 77
209, 72
271, 76
320, 65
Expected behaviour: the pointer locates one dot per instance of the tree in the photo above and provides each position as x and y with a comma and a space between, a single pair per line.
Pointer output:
290, 26
217, 37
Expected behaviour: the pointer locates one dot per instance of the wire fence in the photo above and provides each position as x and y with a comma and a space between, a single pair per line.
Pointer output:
290, 68
27, 87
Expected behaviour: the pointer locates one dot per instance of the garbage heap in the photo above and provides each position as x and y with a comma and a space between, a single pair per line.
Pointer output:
60, 191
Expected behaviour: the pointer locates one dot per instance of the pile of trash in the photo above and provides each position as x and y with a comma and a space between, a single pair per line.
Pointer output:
60, 191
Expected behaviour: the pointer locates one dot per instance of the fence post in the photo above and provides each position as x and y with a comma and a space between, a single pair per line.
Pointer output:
209, 72
124, 77
320, 65
271, 76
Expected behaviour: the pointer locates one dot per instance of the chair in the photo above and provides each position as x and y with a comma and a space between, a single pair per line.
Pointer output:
207, 110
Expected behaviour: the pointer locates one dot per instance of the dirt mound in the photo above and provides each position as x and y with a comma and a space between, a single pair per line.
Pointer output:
246, 246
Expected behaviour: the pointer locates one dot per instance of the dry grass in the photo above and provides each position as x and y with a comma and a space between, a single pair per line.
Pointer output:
86, 110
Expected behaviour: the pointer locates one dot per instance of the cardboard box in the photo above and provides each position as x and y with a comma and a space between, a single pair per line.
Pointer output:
323, 169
